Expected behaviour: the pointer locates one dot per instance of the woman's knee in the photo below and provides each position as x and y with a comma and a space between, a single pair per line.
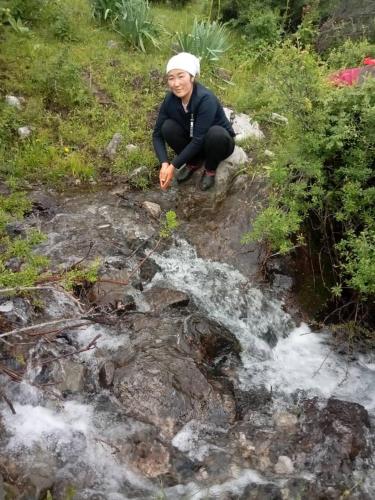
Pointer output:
168, 129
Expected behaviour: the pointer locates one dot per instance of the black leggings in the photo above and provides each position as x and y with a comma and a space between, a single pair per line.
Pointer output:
218, 143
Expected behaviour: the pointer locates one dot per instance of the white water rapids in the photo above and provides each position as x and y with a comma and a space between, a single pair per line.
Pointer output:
78, 432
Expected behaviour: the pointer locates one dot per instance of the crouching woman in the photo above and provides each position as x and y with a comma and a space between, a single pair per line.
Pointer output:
192, 122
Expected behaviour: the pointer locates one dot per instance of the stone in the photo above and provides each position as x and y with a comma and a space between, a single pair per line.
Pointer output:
226, 171
106, 374
269, 154
148, 270
131, 147
24, 132
285, 421
43, 202
152, 208
284, 465
15, 229
6, 307
243, 126
111, 150
282, 282
13, 101
162, 298
73, 375
138, 174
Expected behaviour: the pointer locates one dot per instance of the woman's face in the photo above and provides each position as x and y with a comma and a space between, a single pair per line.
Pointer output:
180, 83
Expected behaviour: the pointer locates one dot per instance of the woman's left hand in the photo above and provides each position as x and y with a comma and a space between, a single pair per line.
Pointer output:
166, 175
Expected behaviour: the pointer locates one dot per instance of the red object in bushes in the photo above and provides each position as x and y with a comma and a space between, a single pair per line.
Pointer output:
350, 76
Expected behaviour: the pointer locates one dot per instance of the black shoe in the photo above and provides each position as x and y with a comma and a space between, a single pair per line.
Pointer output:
207, 181
185, 173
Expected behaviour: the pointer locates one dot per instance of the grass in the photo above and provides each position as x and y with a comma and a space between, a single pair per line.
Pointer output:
57, 75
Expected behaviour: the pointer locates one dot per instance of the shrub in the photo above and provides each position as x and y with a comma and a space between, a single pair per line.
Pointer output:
207, 40
134, 23
60, 83
322, 174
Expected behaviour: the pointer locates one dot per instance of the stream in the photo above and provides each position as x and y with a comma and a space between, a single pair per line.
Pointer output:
201, 386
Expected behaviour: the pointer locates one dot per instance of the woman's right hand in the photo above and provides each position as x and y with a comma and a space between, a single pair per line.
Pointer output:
166, 175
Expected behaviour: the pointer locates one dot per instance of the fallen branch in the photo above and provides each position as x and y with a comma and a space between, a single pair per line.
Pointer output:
117, 282
48, 323
8, 402
89, 347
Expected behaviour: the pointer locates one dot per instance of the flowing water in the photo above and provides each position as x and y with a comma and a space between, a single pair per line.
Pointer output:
75, 436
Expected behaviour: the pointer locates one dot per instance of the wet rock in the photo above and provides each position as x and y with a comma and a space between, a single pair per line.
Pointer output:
111, 150
226, 171
6, 307
14, 229
162, 298
210, 339
152, 208
148, 270
72, 375
43, 202
340, 428
24, 132
110, 293
13, 101
150, 457
285, 421
243, 126
252, 400
256, 491
106, 374
282, 283
284, 465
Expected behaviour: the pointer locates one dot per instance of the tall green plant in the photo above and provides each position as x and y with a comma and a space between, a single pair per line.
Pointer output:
103, 10
135, 24
207, 40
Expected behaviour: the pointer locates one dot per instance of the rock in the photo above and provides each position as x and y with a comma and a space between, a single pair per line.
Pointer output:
106, 374
243, 126
138, 174
24, 132
152, 208
279, 118
282, 283
226, 170
256, 491
43, 202
284, 465
151, 458
161, 298
131, 147
15, 229
111, 150
13, 101
73, 375
6, 307
240, 182
148, 270
285, 421
210, 339
110, 294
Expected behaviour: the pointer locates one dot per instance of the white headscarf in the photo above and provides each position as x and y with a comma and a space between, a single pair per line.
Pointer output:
186, 62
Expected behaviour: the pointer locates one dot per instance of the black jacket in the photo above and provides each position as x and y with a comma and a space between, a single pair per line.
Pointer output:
204, 110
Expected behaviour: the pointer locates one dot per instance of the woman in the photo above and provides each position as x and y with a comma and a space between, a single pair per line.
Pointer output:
193, 123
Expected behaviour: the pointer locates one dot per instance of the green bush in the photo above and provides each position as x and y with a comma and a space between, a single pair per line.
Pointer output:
60, 83
135, 24
207, 40
322, 174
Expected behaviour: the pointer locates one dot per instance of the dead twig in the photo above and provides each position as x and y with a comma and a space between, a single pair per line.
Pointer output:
26, 329
8, 402
89, 347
